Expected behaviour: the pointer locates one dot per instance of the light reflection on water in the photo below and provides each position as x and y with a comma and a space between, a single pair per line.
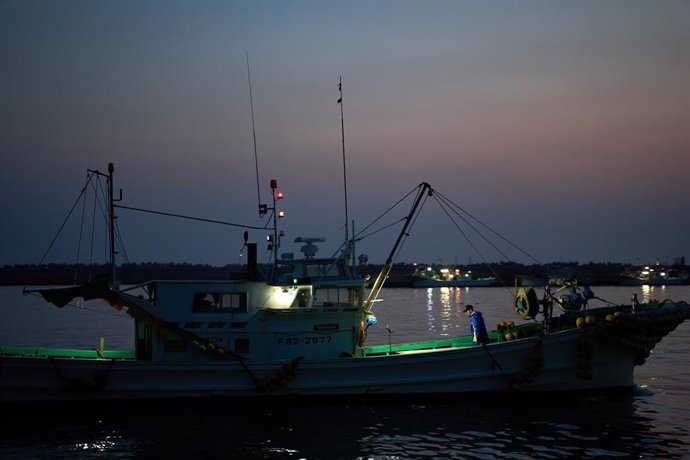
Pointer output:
658, 292
653, 423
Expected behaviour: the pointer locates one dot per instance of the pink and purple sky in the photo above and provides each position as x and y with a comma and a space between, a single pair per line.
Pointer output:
563, 125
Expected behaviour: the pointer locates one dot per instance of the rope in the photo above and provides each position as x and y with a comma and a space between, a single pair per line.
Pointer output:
180, 216
81, 232
387, 211
402, 219
376, 290
606, 301
121, 243
414, 221
494, 362
452, 204
469, 241
69, 214
93, 234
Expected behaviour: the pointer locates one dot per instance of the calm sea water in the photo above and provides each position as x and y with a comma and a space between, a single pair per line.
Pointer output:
652, 423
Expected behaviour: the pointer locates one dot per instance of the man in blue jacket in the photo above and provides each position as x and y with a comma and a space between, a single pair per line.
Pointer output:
477, 326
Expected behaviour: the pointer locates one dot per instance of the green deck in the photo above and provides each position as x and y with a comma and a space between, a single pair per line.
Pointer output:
526, 330
33, 352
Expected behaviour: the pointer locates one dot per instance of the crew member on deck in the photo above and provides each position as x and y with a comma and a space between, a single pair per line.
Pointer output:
477, 326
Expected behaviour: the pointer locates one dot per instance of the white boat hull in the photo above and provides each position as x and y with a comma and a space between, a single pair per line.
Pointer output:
455, 370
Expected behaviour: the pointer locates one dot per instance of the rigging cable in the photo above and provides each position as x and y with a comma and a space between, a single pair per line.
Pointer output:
180, 216
414, 220
454, 207
419, 203
443, 206
469, 241
69, 214
121, 243
99, 196
102, 205
102, 196
256, 155
81, 231
384, 213
450, 203
100, 201
402, 219
93, 230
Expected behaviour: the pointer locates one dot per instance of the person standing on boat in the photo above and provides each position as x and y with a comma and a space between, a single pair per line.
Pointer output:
477, 326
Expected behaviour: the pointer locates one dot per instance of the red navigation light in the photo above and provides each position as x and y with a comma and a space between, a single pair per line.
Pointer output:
280, 195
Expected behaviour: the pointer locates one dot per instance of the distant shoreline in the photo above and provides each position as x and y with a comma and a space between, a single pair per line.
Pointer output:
595, 274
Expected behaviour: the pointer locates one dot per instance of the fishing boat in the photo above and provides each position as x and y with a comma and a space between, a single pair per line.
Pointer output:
656, 275
302, 333
431, 277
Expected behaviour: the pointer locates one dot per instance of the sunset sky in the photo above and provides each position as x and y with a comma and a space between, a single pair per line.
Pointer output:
565, 126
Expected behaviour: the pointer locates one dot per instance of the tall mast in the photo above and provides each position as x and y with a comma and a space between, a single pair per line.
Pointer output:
342, 131
274, 185
256, 155
111, 221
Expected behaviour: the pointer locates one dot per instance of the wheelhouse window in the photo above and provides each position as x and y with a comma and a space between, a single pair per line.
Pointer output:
334, 297
220, 302
323, 269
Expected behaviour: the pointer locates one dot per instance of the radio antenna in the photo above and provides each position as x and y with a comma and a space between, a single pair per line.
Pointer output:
256, 155
342, 130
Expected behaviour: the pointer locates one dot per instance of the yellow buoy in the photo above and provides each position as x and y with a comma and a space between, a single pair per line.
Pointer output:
580, 322
516, 335
509, 336
590, 320
610, 317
